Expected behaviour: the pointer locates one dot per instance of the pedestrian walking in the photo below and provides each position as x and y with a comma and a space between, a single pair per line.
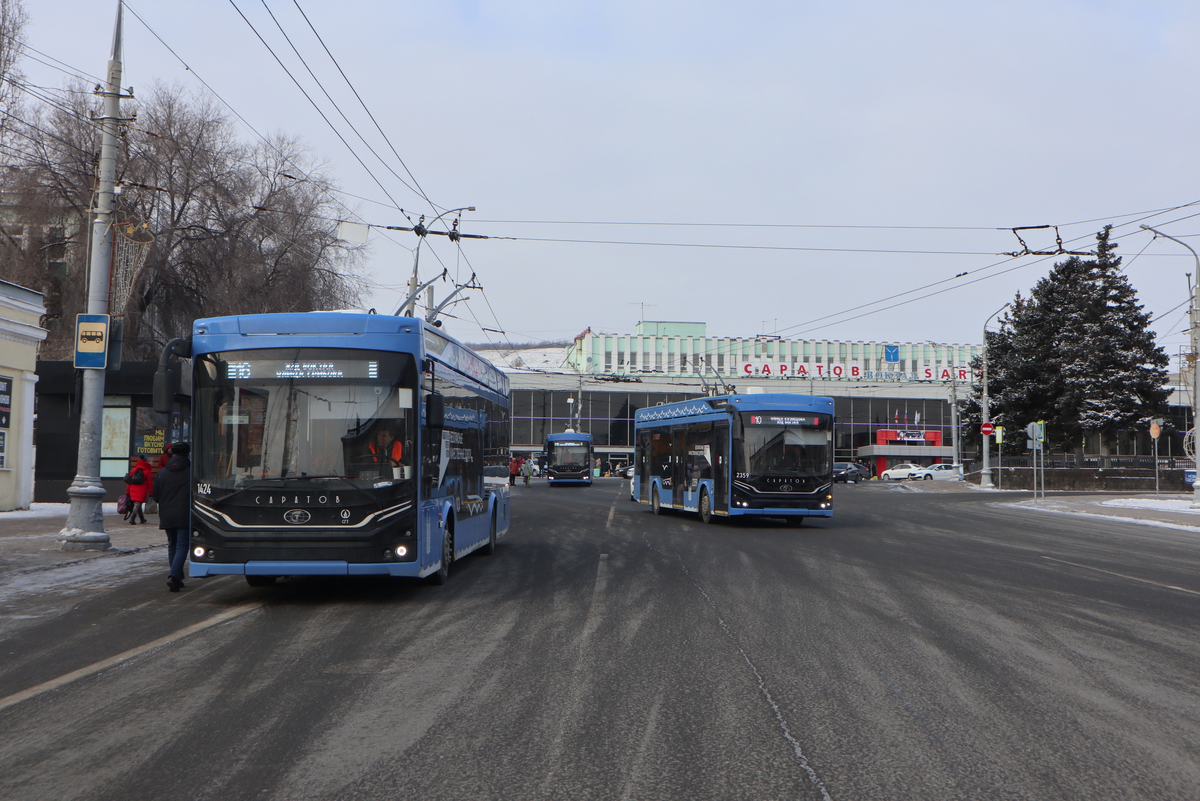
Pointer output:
173, 491
165, 457
514, 469
140, 479
526, 469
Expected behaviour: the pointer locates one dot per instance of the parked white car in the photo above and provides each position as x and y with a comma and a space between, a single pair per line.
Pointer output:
899, 472
938, 472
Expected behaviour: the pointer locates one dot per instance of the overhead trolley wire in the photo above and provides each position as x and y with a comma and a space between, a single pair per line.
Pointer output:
246, 122
312, 102
748, 247
817, 226
70, 70
362, 103
338, 108
964, 283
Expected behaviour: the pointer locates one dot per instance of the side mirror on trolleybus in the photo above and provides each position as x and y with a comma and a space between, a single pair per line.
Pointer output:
435, 411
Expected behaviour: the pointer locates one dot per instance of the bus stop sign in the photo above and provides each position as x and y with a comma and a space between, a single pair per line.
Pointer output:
91, 341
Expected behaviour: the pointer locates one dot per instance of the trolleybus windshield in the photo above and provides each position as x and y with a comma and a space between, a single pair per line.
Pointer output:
785, 445
271, 417
567, 456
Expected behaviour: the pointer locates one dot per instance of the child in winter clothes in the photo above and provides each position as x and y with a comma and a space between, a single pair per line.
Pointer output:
140, 480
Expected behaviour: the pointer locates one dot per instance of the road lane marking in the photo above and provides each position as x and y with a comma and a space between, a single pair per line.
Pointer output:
1122, 575
125, 656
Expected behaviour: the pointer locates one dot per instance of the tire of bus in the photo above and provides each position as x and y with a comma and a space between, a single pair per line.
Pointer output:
795, 521
706, 515
490, 548
260, 581
443, 573
655, 504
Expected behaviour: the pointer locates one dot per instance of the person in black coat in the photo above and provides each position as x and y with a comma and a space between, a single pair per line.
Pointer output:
173, 491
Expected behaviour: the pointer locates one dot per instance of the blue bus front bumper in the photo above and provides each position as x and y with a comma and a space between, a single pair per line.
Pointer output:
304, 568
783, 512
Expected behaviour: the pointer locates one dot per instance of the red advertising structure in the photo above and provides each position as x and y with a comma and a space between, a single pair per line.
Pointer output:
885, 436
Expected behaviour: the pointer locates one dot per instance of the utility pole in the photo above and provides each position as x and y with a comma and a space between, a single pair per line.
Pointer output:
1194, 318
985, 475
954, 413
85, 522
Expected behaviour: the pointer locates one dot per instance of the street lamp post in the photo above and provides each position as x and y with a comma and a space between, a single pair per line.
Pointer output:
1194, 317
985, 475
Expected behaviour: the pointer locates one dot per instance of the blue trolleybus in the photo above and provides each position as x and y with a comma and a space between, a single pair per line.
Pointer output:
333, 443
569, 459
769, 455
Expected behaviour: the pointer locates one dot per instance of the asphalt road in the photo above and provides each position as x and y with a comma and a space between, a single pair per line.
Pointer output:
915, 646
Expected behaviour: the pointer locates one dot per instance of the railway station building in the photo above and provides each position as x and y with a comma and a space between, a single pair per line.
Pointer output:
892, 399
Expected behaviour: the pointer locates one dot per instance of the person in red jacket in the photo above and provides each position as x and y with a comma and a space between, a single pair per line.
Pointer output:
140, 480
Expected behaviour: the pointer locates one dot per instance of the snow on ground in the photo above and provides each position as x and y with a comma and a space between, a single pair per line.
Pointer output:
1159, 504
48, 510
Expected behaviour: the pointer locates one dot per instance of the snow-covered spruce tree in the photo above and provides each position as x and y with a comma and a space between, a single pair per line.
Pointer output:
1079, 354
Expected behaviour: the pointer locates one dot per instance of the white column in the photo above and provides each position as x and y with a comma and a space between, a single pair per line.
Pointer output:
24, 461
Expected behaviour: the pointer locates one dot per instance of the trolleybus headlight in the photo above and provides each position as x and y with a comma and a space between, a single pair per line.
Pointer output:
401, 551
387, 554
199, 552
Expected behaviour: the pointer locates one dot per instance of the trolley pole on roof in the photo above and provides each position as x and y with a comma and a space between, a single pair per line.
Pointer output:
85, 522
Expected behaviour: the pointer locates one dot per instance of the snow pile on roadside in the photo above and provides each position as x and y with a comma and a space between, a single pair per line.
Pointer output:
48, 510
1159, 504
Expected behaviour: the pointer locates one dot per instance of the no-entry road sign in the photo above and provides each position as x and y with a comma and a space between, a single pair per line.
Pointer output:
986, 429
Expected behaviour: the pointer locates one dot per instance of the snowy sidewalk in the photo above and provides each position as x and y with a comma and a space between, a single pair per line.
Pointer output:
1172, 511
29, 538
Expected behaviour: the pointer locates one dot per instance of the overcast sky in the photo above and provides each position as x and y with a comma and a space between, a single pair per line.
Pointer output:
820, 116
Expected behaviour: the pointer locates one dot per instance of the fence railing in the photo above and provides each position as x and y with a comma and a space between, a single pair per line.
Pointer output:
1095, 462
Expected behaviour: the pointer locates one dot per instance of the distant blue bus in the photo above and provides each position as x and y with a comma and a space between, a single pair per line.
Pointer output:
332, 443
767, 455
569, 459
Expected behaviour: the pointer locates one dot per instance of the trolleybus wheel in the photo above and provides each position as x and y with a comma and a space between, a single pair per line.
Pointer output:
490, 548
260, 581
443, 572
705, 507
795, 521
655, 504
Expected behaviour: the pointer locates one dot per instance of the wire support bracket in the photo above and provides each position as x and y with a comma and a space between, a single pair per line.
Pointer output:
1058, 251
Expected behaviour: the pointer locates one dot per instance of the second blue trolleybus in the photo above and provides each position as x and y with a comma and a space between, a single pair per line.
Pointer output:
569, 458
768, 455
332, 443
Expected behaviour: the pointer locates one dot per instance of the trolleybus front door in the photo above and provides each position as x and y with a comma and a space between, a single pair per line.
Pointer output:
721, 468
